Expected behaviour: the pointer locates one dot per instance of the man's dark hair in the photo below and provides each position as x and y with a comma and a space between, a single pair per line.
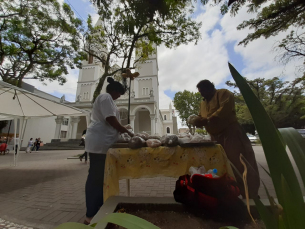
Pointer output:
115, 86
206, 84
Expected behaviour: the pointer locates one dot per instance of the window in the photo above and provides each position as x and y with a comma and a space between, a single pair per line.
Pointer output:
145, 91
164, 117
65, 122
86, 95
168, 130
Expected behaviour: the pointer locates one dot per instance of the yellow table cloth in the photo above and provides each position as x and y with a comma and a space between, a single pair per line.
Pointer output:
125, 163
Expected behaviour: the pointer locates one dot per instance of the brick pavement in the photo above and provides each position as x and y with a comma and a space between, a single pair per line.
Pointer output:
47, 189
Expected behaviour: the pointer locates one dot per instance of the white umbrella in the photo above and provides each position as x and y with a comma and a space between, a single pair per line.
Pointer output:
17, 103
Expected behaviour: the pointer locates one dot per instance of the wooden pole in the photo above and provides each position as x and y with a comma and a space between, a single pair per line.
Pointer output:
129, 101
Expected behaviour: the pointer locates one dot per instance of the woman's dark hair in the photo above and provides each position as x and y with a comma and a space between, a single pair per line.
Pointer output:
206, 84
115, 86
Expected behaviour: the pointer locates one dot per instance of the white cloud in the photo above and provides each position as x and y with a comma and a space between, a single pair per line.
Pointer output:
68, 89
258, 56
182, 68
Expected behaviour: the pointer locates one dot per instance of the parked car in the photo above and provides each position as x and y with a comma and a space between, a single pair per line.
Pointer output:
301, 132
252, 138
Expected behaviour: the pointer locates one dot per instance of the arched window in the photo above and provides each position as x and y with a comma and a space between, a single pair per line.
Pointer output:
168, 130
164, 117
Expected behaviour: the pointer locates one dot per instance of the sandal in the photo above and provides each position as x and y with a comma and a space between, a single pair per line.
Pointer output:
86, 222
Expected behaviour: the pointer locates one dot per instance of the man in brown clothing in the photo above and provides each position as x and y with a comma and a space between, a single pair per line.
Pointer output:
217, 111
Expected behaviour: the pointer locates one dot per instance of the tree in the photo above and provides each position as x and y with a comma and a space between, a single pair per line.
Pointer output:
39, 40
292, 48
134, 26
275, 18
187, 103
284, 101
270, 20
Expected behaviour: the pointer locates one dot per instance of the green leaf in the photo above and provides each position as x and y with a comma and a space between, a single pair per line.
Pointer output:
296, 145
72, 225
291, 210
276, 155
126, 220
281, 223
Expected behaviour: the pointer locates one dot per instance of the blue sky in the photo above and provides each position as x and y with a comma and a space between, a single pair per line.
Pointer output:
181, 68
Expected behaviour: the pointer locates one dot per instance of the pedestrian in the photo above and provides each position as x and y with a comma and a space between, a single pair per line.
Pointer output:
38, 142
103, 132
30, 145
82, 143
16, 145
34, 145
218, 115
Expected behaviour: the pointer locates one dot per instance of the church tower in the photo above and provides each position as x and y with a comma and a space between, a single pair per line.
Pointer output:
148, 82
88, 77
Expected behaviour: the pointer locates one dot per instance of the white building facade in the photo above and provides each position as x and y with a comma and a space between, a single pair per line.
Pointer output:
145, 114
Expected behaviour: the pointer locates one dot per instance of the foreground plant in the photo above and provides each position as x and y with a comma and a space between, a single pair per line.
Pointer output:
290, 213
122, 219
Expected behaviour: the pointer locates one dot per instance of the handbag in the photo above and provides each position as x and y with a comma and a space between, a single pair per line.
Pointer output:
215, 197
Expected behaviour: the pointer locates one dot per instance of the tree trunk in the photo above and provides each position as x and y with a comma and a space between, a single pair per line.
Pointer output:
99, 87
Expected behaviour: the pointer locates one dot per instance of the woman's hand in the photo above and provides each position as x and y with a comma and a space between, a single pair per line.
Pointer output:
130, 134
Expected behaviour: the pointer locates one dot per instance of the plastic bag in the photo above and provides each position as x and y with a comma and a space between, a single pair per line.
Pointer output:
170, 140
192, 119
136, 142
197, 138
153, 143
124, 138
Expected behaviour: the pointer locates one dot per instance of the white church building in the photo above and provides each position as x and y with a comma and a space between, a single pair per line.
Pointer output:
145, 114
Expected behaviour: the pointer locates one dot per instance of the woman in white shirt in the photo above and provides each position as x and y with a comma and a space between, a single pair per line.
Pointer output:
102, 132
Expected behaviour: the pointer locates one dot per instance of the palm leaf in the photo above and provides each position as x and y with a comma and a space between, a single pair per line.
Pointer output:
290, 210
72, 225
125, 220
296, 145
276, 156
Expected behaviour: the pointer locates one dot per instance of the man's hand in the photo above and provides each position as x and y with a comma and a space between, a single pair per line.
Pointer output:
199, 122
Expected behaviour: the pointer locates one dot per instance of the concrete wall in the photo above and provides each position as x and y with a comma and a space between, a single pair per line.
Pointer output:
43, 128
88, 74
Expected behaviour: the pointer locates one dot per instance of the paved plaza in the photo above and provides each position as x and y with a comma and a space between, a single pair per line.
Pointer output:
47, 189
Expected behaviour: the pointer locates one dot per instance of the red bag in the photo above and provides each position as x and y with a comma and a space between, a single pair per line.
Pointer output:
213, 196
